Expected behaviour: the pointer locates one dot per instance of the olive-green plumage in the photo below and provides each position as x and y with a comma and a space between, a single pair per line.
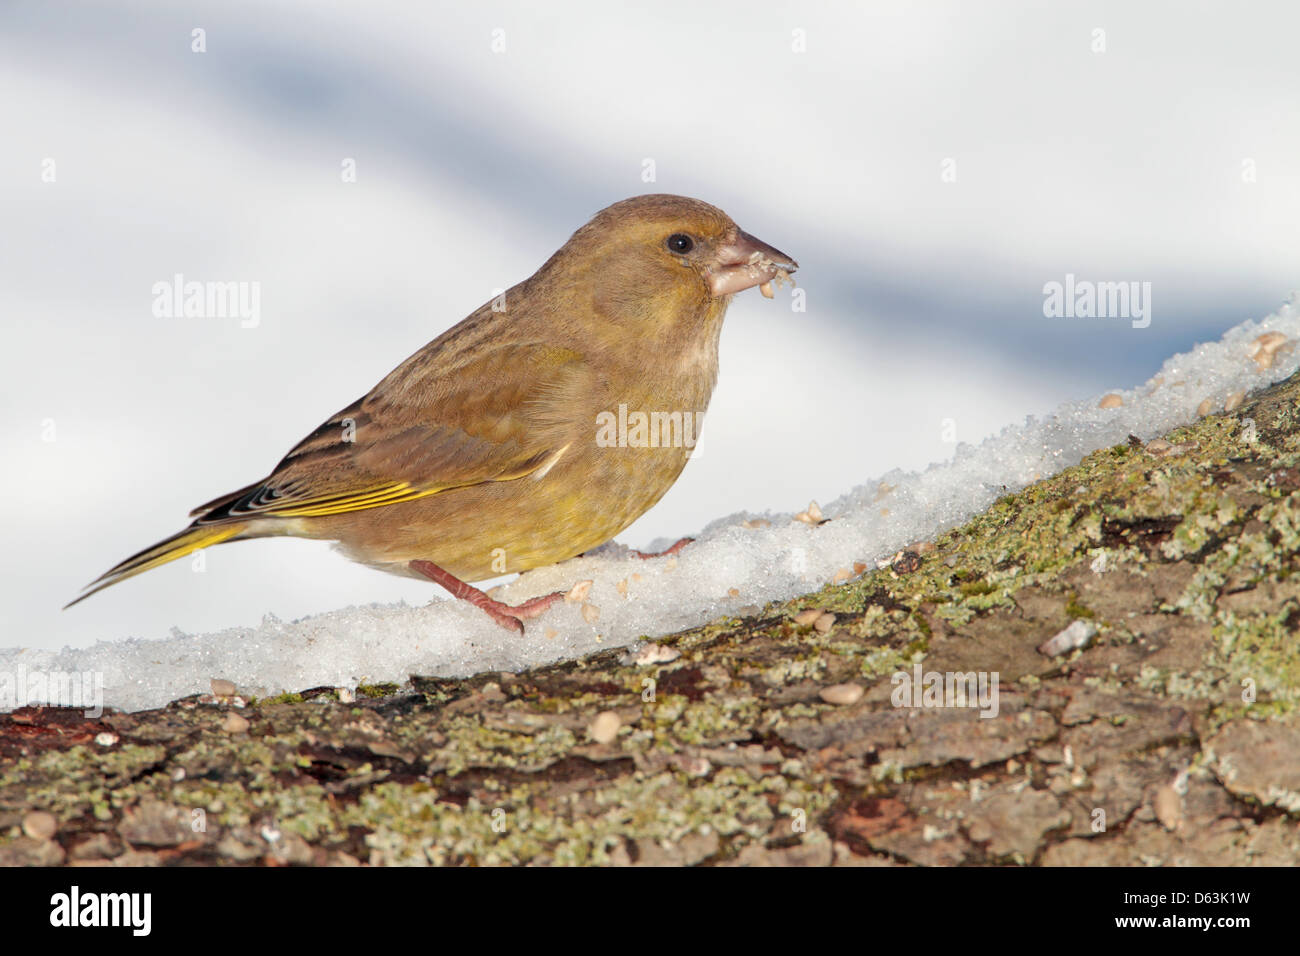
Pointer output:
481, 450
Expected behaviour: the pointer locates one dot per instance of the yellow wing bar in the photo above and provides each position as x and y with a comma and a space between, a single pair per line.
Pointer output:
341, 504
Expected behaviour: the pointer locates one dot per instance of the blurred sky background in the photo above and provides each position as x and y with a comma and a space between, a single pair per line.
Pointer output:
924, 297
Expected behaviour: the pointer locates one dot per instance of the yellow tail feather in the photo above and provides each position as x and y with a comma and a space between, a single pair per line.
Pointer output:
177, 546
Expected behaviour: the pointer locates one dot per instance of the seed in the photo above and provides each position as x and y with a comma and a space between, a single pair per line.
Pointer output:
1168, 807
1110, 400
766, 289
812, 516
651, 654
578, 593
824, 623
1264, 348
40, 825
604, 728
234, 724
222, 688
590, 613
1234, 401
1205, 408
806, 617
842, 694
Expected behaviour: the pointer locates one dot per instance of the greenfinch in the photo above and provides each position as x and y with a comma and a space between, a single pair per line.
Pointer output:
537, 428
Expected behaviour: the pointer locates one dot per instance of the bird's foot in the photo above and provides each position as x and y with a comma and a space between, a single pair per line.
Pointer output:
508, 616
644, 556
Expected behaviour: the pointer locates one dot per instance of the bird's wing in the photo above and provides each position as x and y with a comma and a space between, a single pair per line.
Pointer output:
460, 412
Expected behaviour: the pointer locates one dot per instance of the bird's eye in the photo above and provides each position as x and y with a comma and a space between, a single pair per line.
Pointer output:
680, 243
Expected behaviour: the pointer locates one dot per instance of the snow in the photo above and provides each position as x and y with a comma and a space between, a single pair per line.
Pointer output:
737, 562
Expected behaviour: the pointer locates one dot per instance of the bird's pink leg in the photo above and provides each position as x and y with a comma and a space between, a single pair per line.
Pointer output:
660, 554
508, 616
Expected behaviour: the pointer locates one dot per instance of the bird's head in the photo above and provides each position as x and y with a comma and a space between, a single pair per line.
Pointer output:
657, 256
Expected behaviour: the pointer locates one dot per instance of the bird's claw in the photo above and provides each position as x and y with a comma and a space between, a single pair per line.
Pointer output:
647, 555
511, 617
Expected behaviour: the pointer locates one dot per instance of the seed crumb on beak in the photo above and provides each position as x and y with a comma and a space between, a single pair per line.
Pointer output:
761, 263
744, 262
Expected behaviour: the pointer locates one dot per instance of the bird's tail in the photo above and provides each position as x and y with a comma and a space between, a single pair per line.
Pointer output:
177, 546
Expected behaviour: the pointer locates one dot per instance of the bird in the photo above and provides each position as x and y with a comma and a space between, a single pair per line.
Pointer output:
503, 444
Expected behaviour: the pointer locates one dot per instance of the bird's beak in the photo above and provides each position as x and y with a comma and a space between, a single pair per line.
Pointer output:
745, 262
